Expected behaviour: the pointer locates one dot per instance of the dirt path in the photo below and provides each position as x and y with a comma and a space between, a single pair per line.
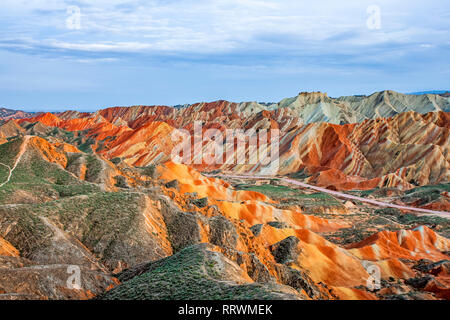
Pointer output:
9, 176
338, 194
19, 157
60, 235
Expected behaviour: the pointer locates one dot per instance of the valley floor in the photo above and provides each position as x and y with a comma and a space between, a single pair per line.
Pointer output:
75, 225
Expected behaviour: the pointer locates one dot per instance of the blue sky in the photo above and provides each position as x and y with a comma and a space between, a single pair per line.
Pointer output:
129, 52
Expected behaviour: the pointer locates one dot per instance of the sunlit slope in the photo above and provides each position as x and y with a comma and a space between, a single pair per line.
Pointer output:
400, 149
342, 269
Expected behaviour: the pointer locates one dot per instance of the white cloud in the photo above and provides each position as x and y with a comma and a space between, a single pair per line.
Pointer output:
222, 26
100, 47
99, 60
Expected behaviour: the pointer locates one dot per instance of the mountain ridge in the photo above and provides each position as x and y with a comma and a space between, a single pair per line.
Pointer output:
342, 156
350, 108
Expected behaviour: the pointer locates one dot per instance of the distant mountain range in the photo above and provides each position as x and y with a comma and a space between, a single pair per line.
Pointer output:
343, 109
7, 114
439, 92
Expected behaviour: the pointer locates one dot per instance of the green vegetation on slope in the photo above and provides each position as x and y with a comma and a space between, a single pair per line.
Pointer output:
191, 274
426, 194
282, 192
107, 223
37, 177
94, 167
24, 231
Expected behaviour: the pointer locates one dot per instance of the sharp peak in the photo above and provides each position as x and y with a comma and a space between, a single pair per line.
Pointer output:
391, 92
47, 114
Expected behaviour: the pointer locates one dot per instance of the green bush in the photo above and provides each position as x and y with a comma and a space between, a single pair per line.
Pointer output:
149, 171
121, 182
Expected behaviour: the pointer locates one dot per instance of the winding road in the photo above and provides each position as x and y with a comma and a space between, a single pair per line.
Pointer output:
338, 194
18, 158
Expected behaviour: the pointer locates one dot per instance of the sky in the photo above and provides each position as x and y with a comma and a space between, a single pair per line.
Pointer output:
86, 55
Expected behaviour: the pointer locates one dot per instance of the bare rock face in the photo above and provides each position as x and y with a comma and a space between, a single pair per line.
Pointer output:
434, 268
21, 279
250, 262
419, 283
278, 224
302, 282
256, 229
286, 250
182, 227
172, 184
222, 232
201, 203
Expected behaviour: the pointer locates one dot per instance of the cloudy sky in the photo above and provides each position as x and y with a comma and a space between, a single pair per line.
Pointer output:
86, 55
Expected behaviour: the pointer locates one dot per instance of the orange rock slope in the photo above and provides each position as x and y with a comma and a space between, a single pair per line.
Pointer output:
6, 249
404, 151
253, 207
343, 269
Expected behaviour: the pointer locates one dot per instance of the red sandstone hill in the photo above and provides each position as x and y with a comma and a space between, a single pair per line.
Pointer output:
407, 150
